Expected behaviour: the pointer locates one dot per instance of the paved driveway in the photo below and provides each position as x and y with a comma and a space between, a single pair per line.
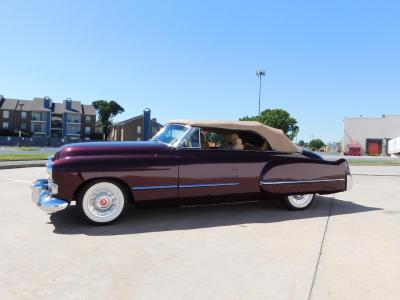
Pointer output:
346, 246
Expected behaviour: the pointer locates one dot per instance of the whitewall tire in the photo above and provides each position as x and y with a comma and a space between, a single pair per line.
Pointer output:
102, 202
298, 202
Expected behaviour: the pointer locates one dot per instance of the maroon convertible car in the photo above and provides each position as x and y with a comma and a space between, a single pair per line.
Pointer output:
187, 162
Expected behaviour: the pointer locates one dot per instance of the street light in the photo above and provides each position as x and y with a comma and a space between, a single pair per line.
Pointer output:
260, 73
20, 118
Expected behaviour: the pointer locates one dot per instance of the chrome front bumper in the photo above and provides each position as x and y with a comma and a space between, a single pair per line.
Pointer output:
42, 190
349, 182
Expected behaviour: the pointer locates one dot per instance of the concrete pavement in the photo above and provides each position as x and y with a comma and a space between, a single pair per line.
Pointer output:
344, 247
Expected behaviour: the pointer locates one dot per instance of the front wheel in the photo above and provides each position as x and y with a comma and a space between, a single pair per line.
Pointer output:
102, 202
298, 202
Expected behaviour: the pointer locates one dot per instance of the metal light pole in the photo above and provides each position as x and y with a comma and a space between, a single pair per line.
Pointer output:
20, 118
260, 73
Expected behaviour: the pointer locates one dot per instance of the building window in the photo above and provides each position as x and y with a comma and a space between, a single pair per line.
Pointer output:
5, 125
23, 115
38, 116
88, 118
139, 130
74, 129
74, 118
6, 114
38, 128
23, 125
87, 130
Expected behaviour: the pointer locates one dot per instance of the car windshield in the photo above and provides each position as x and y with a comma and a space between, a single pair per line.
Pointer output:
170, 134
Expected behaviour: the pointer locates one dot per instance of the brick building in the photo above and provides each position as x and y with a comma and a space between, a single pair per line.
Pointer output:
139, 128
41, 117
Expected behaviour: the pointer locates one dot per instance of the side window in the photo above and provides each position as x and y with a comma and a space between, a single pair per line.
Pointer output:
211, 139
253, 141
233, 140
194, 140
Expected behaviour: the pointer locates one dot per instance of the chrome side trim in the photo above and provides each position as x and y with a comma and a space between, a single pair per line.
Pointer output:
184, 186
262, 182
151, 187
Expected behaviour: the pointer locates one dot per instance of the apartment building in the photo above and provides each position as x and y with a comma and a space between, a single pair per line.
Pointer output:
44, 118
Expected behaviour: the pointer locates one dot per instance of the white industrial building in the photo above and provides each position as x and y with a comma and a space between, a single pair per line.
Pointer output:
394, 147
372, 134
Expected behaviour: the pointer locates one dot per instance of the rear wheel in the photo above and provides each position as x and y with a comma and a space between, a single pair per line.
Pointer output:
102, 202
298, 202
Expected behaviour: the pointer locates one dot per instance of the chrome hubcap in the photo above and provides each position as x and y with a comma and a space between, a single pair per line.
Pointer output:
102, 202
300, 200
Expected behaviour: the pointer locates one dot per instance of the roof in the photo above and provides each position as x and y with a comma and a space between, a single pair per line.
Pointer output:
58, 108
38, 104
16, 104
128, 120
153, 121
275, 137
76, 106
25, 105
10, 104
89, 110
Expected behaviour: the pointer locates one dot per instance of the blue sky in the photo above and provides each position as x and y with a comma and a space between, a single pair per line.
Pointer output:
325, 60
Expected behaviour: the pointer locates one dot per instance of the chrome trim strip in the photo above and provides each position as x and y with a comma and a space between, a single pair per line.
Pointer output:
299, 181
184, 186
150, 187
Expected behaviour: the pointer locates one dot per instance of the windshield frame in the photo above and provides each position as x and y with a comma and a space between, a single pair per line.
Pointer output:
178, 142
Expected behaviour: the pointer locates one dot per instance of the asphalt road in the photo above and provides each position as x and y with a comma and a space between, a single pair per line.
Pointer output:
346, 246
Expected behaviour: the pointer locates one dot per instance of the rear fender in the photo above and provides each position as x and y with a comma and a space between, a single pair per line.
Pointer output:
316, 176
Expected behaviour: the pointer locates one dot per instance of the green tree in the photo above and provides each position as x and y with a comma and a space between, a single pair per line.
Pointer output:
277, 118
301, 143
107, 110
316, 144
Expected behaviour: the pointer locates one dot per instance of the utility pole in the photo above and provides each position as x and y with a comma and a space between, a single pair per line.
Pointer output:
20, 118
260, 73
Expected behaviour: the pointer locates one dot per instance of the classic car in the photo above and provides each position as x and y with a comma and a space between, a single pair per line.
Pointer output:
187, 162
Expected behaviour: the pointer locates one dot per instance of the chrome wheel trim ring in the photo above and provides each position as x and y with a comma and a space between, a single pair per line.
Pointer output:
103, 202
300, 201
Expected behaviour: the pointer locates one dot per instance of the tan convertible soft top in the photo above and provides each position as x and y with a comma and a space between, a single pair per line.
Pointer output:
275, 137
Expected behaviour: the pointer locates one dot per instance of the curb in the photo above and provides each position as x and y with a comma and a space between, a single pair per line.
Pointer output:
21, 164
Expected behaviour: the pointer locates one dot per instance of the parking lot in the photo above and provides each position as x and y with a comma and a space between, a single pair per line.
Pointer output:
347, 246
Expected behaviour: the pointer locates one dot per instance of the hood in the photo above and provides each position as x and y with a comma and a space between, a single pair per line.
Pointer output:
110, 148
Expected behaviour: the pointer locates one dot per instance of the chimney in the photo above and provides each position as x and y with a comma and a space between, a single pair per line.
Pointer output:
47, 102
146, 124
68, 104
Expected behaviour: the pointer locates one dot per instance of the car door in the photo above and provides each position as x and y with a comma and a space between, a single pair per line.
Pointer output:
248, 166
205, 172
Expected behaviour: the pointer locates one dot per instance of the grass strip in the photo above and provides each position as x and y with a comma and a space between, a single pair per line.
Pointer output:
24, 156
